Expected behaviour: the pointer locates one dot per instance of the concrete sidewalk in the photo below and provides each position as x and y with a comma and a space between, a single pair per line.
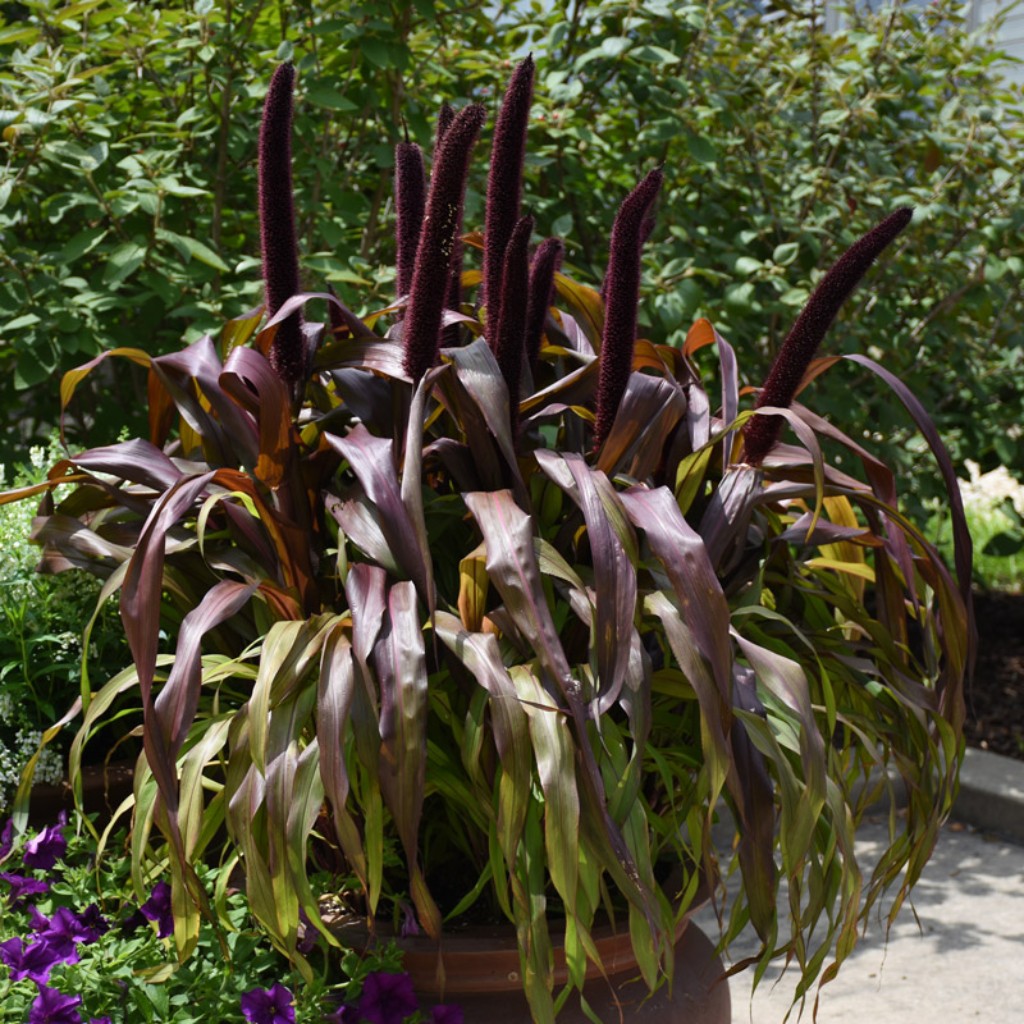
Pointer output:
965, 961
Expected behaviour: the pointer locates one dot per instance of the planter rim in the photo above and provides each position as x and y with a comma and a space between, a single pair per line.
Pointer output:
485, 958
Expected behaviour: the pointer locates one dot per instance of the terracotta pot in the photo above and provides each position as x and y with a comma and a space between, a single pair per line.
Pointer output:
103, 789
481, 968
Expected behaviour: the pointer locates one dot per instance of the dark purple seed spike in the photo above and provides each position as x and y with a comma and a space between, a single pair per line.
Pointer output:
546, 261
511, 329
424, 314
622, 294
504, 184
410, 204
445, 116
793, 359
453, 297
277, 222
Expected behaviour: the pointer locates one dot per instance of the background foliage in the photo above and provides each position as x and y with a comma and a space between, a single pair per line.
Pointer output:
127, 185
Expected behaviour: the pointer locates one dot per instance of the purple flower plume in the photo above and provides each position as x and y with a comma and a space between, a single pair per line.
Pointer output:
445, 116
274, 1005
158, 908
42, 851
51, 1006
20, 886
423, 316
387, 998
546, 261
504, 183
793, 359
453, 297
410, 201
510, 333
277, 222
622, 293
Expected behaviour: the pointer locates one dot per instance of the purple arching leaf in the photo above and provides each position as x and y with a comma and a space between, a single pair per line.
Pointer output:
336, 691
377, 354
140, 594
296, 302
412, 478
649, 409
681, 551
252, 382
962, 545
479, 375
730, 391
228, 433
614, 578
513, 569
176, 704
372, 461
70, 381
68, 542
135, 460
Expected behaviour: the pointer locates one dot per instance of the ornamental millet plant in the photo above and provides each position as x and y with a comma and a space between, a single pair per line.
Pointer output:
483, 643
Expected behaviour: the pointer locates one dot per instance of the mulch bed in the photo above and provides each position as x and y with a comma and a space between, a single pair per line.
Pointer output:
995, 701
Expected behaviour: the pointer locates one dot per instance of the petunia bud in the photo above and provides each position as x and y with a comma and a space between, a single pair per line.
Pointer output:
546, 261
410, 202
277, 223
437, 241
793, 359
504, 183
622, 294
511, 328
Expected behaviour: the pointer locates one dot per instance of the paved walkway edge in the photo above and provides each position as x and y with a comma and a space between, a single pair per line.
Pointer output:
991, 793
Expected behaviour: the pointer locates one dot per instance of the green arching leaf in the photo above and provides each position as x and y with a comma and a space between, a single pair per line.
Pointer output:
400, 663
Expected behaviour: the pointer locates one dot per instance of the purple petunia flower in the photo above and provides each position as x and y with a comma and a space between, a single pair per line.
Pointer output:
22, 886
446, 1013
93, 923
269, 1005
45, 849
158, 908
100, 1020
67, 926
387, 998
36, 960
7, 839
53, 1007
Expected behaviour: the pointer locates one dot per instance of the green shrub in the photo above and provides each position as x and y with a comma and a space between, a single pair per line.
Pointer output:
130, 142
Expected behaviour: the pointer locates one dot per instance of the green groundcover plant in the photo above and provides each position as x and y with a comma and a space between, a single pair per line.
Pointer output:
77, 945
496, 603
41, 638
